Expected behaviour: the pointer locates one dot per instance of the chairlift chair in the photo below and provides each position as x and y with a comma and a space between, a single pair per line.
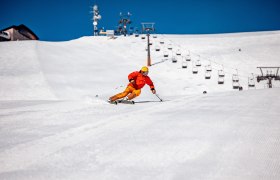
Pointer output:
251, 82
198, 63
221, 80
207, 75
184, 64
165, 54
188, 58
169, 47
157, 48
235, 78
277, 78
235, 85
161, 41
136, 33
208, 68
178, 53
221, 73
174, 59
194, 70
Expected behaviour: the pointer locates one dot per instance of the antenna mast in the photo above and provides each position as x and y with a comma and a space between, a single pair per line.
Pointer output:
96, 18
123, 23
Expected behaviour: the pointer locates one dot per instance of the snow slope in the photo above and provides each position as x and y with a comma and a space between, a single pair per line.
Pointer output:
55, 123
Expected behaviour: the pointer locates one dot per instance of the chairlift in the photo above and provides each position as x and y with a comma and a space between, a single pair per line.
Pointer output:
165, 54
136, 32
251, 81
143, 37
208, 68
277, 78
235, 85
169, 47
157, 48
188, 58
221, 80
221, 73
207, 75
161, 41
184, 64
235, 78
198, 63
154, 36
178, 53
194, 70
174, 59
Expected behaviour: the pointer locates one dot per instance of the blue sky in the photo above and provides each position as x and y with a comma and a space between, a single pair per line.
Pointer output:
59, 20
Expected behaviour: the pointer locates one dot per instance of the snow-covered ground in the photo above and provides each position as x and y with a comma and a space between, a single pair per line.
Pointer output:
55, 123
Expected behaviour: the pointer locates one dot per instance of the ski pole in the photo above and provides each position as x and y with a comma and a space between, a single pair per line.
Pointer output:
158, 97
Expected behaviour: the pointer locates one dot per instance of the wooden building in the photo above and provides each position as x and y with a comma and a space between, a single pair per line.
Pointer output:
17, 33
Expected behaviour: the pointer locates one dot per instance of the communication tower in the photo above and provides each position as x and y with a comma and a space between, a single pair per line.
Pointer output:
124, 22
96, 18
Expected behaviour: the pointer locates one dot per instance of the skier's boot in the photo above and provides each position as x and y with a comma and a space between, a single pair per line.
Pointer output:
114, 98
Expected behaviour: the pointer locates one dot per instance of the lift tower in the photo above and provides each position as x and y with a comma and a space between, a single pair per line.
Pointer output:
271, 73
148, 28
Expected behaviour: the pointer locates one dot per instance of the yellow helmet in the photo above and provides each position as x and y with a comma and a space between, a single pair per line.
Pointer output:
144, 69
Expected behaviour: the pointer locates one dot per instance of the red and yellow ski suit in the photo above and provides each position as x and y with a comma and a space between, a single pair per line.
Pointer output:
137, 82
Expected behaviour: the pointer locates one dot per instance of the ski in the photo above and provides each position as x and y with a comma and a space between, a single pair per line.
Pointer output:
126, 101
121, 101
112, 102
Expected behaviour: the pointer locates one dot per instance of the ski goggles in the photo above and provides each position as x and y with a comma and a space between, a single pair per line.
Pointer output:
145, 73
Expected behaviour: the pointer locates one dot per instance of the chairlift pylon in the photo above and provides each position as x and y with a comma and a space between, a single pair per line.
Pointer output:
270, 75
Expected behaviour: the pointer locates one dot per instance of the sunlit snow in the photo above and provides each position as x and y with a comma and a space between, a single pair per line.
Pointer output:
55, 122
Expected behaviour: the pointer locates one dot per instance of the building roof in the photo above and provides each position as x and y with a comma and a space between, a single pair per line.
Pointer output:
22, 26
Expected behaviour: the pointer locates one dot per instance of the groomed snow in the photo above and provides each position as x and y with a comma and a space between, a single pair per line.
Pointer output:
55, 123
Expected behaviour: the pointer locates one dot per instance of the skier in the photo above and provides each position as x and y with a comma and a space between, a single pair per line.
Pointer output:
137, 81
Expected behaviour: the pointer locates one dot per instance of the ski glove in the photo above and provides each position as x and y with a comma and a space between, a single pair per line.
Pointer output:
153, 91
132, 81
